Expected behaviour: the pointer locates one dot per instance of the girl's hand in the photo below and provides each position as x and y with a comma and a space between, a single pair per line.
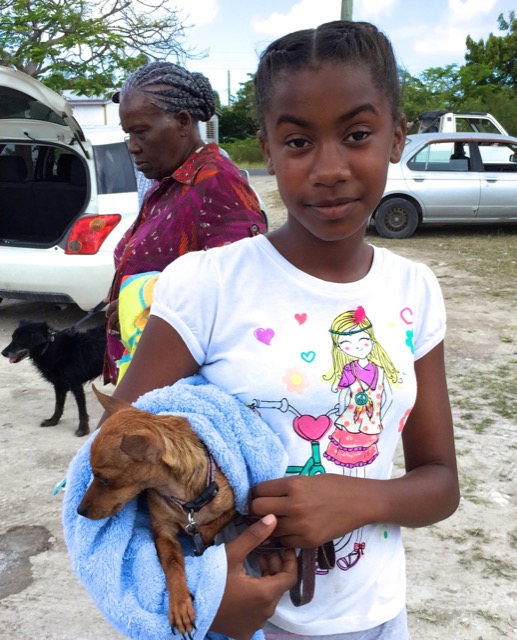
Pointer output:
313, 510
249, 602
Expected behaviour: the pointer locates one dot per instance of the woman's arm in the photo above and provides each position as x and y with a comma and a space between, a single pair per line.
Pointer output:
314, 510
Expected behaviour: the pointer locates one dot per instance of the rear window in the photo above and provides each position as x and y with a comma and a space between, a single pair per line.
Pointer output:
480, 125
15, 104
115, 169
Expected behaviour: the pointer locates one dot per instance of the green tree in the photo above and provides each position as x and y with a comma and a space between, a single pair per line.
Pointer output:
497, 57
434, 88
86, 45
238, 118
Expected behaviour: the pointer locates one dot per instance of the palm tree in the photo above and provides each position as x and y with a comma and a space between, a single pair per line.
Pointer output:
347, 8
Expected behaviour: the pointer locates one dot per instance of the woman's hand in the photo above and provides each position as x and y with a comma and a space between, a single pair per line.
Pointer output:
112, 316
249, 602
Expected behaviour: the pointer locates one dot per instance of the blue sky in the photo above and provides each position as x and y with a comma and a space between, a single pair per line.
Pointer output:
424, 33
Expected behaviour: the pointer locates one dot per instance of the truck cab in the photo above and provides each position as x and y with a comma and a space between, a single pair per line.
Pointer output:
447, 121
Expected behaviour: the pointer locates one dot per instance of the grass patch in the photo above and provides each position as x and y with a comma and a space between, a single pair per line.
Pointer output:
479, 251
494, 388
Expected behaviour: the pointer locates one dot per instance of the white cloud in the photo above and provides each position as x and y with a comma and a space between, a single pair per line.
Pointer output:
448, 35
305, 14
370, 10
196, 13
442, 39
469, 10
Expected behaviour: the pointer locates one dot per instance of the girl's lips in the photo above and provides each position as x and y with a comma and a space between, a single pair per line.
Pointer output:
333, 208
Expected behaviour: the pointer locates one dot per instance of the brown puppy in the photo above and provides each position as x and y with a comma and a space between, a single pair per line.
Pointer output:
136, 451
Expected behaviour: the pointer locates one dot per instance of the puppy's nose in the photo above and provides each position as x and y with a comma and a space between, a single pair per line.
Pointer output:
82, 510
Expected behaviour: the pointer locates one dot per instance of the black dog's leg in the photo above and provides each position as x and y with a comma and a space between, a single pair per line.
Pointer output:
58, 411
84, 428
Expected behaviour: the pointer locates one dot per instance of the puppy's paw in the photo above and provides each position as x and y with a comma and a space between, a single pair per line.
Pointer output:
181, 617
82, 431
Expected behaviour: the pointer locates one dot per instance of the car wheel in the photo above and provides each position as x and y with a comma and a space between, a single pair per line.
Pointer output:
396, 218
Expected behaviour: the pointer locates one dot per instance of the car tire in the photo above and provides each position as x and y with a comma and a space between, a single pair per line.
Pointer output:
396, 218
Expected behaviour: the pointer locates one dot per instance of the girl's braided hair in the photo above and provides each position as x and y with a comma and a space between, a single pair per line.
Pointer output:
172, 88
340, 41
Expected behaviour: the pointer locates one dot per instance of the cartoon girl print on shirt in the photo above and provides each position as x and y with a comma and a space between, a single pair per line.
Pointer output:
360, 374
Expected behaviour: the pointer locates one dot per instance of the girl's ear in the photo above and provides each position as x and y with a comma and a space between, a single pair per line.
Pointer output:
265, 152
399, 139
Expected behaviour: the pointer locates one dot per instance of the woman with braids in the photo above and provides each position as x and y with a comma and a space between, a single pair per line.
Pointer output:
309, 314
199, 198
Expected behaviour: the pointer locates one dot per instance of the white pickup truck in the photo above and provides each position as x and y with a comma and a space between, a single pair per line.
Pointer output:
447, 121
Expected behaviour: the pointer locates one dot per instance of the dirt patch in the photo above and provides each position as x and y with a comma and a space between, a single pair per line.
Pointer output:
462, 573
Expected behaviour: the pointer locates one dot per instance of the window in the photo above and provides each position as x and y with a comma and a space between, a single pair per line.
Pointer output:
498, 157
441, 156
115, 169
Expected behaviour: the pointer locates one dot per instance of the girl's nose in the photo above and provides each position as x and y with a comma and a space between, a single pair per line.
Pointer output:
331, 165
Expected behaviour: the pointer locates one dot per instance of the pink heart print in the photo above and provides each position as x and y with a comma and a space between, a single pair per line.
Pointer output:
300, 317
310, 428
264, 335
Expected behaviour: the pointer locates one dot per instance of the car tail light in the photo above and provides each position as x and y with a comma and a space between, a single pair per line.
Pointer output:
89, 233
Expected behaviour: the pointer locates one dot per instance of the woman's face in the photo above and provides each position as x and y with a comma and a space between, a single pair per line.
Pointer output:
159, 142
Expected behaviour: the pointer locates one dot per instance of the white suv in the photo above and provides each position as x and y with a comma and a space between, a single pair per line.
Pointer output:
67, 195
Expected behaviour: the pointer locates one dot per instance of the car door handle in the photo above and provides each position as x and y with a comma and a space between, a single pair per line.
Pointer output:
418, 179
491, 179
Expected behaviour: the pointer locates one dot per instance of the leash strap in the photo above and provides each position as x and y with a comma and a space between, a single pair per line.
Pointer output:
98, 307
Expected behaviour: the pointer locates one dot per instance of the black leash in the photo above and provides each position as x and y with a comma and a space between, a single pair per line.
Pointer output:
71, 331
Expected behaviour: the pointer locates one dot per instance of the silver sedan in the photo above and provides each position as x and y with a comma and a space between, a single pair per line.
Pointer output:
444, 178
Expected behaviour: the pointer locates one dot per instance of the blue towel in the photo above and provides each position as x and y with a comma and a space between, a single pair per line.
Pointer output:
115, 558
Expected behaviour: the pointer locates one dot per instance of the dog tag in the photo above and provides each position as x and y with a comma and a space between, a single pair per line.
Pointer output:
192, 529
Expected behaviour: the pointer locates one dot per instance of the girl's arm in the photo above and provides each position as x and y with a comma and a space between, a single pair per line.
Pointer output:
311, 511
161, 359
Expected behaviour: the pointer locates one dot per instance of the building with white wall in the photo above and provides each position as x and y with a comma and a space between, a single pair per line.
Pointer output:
102, 111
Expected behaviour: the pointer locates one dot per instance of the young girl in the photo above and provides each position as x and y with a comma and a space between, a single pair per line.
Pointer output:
262, 319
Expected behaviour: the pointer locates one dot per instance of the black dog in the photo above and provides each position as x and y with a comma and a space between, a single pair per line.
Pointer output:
67, 359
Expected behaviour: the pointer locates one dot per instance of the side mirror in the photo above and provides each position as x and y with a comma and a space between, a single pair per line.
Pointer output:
513, 157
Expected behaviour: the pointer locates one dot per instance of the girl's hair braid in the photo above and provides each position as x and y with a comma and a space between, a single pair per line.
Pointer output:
339, 41
172, 88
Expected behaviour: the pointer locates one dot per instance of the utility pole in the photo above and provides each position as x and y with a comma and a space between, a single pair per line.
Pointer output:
347, 9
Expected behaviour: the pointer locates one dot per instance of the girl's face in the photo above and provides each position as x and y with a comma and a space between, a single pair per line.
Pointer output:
329, 138
356, 345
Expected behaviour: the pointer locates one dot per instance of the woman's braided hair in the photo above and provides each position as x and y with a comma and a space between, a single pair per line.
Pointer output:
341, 41
172, 88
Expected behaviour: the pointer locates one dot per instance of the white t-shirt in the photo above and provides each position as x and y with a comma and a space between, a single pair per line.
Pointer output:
330, 367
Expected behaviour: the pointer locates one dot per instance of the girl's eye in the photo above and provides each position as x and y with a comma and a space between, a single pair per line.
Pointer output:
357, 136
297, 143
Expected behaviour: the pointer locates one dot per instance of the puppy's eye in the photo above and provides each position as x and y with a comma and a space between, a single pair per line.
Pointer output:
104, 481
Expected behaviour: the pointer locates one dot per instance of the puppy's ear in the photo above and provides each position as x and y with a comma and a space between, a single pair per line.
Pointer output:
144, 448
110, 404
